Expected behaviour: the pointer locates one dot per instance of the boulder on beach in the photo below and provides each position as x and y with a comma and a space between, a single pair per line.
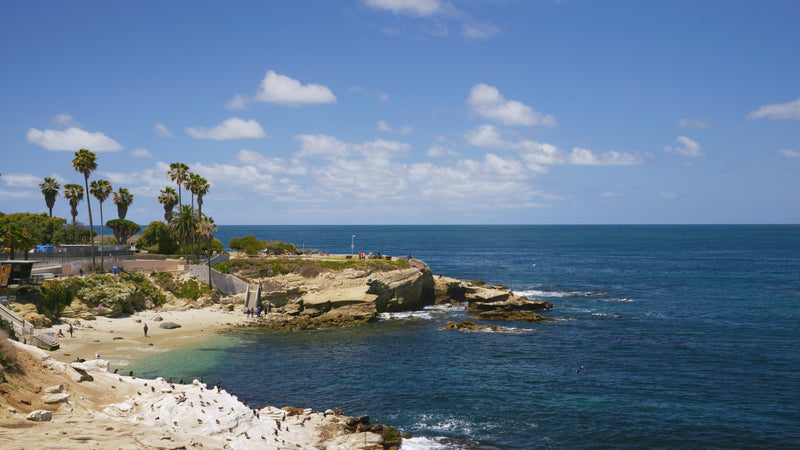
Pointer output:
169, 325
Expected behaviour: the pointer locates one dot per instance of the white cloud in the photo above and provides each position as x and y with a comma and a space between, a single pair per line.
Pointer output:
141, 153
687, 147
787, 153
419, 8
382, 97
487, 102
63, 120
237, 102
72, 139
383, 126
21, 180
320, 145
692, 123
437, 150
586, 157
162, 130
538, 155
274, 166
486, 136
233, 128
779, 111
283, 90
478, 31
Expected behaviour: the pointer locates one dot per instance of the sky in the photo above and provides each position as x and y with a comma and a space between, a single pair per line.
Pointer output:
410, 111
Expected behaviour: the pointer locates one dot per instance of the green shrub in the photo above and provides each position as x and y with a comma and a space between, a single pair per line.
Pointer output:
56, 296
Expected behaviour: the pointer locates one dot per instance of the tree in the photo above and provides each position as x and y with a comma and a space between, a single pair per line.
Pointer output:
101, 189
179, 172
123, 229
71, 234
157, 238
201, 188
206, 229
198, 186
40, 226
50, 189
16, 238
85, 162
183, 225
123, 199
168, 198
74, 194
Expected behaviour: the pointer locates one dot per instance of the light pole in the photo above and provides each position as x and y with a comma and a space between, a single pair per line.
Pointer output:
352, 245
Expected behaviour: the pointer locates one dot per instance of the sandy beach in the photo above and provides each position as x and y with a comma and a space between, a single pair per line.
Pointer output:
120, 340
88, 406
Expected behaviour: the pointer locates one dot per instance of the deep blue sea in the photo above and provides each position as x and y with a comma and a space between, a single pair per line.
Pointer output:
689, 336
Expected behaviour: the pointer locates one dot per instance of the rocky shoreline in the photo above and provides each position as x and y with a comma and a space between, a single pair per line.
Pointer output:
84, 398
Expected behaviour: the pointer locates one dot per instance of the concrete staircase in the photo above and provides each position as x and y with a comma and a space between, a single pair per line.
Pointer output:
27, 332
252, 296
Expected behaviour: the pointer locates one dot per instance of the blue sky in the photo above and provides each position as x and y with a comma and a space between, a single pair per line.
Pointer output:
411, 111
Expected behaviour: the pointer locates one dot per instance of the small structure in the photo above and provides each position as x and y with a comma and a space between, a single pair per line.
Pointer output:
15, 272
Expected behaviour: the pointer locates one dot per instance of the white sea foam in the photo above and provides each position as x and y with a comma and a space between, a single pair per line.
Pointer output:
537, 293
423, 443
612, 315
427, 313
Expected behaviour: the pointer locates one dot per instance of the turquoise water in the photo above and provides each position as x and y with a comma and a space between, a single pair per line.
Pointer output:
688, 336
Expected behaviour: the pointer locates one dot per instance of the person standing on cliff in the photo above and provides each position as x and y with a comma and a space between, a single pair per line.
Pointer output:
145, 330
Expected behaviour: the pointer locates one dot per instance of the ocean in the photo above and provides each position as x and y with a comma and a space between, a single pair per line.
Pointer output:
668, 336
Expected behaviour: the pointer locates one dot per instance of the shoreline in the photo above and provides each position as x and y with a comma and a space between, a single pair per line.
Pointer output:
152, 412
121, 340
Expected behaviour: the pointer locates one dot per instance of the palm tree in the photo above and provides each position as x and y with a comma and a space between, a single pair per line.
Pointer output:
168, 198
205, 230
101, 189
74, 194
179, 172
85, 162
122, 198
183, 225
50, 189
15, 237
199, 187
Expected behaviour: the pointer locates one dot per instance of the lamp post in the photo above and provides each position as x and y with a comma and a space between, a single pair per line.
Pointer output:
352, 244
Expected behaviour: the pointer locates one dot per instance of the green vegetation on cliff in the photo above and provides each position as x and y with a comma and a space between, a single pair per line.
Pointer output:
191, 289
308, 268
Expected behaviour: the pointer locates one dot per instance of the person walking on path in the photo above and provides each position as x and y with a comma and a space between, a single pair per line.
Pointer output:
145, 330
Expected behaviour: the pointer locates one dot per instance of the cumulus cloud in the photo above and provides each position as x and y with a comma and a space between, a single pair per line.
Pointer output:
487, 102
237, 102
162, 130
22, 180
787, 153
283, 90
141, 153
63, 120
586, 157
417, 8
537, 155
72, 139
320, 145
779, 111
687, 147
478, 31
383, 126
437, 150
692, 123
233, 128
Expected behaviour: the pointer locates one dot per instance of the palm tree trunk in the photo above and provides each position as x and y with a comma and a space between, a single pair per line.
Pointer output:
102, 237
91, 225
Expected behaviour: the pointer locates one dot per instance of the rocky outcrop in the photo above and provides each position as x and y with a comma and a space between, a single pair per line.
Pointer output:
342, 297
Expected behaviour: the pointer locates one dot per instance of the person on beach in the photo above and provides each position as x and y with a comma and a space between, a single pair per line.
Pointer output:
70, 330
60, 333
145, 330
